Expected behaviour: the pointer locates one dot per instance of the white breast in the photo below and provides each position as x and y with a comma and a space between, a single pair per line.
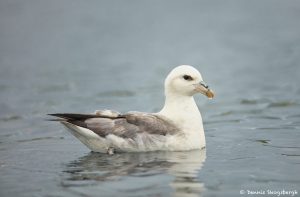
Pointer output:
187, 117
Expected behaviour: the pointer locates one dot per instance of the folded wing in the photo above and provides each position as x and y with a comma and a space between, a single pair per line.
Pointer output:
122, 125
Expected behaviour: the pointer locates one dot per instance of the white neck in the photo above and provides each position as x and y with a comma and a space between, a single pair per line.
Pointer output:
183, 111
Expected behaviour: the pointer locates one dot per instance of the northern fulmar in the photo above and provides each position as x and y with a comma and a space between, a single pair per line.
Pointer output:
176, 127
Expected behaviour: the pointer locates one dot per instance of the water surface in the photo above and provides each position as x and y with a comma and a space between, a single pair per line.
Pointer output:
75, 56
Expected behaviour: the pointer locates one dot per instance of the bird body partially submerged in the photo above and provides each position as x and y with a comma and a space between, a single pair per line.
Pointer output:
177, 127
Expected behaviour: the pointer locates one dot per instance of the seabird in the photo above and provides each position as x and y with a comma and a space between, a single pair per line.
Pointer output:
177, 127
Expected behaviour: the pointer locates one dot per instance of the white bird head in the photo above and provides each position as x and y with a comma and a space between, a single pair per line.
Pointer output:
185, 80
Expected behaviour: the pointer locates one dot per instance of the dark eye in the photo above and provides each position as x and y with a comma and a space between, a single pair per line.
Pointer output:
188, 77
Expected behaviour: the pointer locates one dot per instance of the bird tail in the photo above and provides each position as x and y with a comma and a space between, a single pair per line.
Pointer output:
77, 126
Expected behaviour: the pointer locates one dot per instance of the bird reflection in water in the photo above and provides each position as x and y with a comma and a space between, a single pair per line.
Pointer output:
178, 172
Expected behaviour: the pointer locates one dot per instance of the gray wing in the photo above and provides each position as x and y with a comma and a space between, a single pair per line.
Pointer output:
151, 123
105, 126
122, 125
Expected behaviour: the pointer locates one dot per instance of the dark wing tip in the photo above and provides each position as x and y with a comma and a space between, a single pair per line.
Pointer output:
60, 115
53, 114
72, 116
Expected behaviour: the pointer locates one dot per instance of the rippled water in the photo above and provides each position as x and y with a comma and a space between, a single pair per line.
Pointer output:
75, 56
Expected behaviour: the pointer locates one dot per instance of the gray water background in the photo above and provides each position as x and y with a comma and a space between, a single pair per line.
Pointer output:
78, 56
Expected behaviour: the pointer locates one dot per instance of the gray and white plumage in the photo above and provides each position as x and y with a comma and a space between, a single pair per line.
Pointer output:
177, 127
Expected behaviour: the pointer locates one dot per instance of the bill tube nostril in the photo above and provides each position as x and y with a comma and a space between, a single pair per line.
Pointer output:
204, 84
203, 89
